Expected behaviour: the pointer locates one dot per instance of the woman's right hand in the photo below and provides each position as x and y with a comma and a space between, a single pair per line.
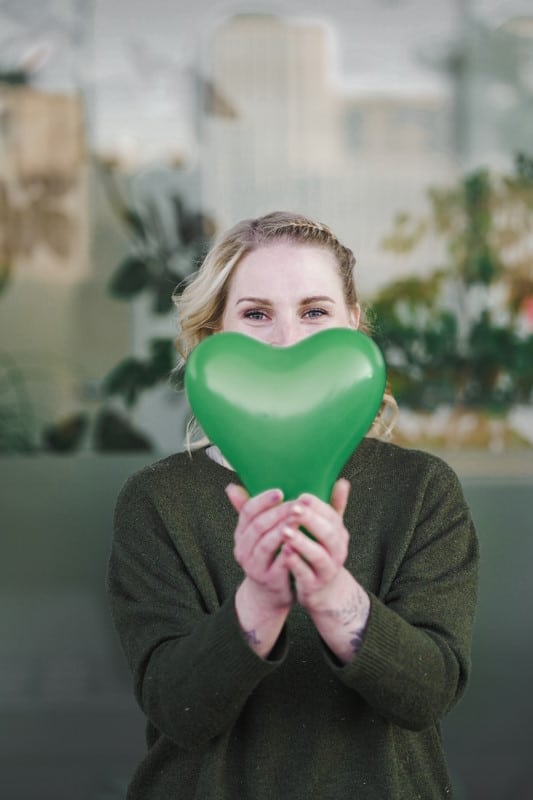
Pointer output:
259, 542
264, 598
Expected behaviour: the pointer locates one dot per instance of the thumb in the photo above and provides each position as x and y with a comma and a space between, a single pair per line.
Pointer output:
237, 495
339, 496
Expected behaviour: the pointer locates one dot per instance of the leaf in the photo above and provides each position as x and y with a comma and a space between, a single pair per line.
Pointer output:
65, 436
15, 77
127, 379
193, 227
135, 222
131, 277
162, 359
115, 433
407, 234
524, 167
163, 289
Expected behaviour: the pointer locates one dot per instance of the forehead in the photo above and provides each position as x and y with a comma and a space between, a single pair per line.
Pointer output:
290, 265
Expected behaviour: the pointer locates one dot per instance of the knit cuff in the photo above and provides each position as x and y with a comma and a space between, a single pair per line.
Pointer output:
378, 649
234, 652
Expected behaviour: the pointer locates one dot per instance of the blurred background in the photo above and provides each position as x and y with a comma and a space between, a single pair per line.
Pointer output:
129, 136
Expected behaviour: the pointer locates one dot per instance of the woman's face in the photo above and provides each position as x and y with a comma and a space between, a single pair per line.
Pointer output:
285, 291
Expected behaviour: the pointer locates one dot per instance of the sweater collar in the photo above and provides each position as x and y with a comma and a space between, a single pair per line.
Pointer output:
356, 463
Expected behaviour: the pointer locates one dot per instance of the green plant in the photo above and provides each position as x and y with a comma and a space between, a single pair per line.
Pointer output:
167, 242
25, 429
459, 336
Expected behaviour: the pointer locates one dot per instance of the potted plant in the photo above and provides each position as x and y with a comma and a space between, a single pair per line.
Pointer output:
461, 339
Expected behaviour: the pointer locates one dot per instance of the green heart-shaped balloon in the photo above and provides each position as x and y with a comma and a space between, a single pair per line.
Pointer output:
286, 417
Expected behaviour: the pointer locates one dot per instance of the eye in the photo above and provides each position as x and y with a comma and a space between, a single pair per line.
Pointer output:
313, 313
255, 314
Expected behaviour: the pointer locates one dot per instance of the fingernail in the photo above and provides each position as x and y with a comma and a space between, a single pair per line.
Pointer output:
288, 533
275, 494
297, 509
305, 499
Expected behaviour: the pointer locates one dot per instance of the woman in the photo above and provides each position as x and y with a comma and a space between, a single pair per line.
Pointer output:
328, 685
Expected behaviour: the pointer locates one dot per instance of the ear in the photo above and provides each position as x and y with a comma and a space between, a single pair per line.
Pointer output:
355, 316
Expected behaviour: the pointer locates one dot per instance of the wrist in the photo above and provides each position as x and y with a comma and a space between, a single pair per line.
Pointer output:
260, 620
254, 602
341, 619
343, 600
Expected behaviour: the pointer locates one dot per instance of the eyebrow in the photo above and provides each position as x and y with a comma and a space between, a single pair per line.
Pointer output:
261, 301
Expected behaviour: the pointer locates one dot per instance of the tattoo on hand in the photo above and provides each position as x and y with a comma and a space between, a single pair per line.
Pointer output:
357, 640
348, 613
251, 638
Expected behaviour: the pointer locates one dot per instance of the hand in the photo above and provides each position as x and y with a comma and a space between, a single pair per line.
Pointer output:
259, 545
318, 564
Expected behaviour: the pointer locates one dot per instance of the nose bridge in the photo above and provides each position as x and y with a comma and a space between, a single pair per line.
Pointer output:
286, 331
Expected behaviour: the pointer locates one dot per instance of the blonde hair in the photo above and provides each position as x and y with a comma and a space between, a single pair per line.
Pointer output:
201, 304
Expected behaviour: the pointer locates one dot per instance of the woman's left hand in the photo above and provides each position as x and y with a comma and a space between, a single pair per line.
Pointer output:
335, 601
317, 562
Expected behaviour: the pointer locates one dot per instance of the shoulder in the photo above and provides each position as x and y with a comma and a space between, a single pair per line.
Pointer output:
181, 479
175, 474
385, 461
411, 487
162, 471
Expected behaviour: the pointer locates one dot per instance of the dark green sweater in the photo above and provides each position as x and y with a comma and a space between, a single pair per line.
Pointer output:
224, 724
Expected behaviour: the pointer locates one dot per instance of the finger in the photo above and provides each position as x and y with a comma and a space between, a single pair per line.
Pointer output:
326, 527
339, 496
302, 572
338, 499
253, 524
310, 503
237, 496
317, 559
248, 507
278, 574
265, 552
261, 502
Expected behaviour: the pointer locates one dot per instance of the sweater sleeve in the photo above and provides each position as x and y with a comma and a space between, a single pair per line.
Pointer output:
192, 668
414, 662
